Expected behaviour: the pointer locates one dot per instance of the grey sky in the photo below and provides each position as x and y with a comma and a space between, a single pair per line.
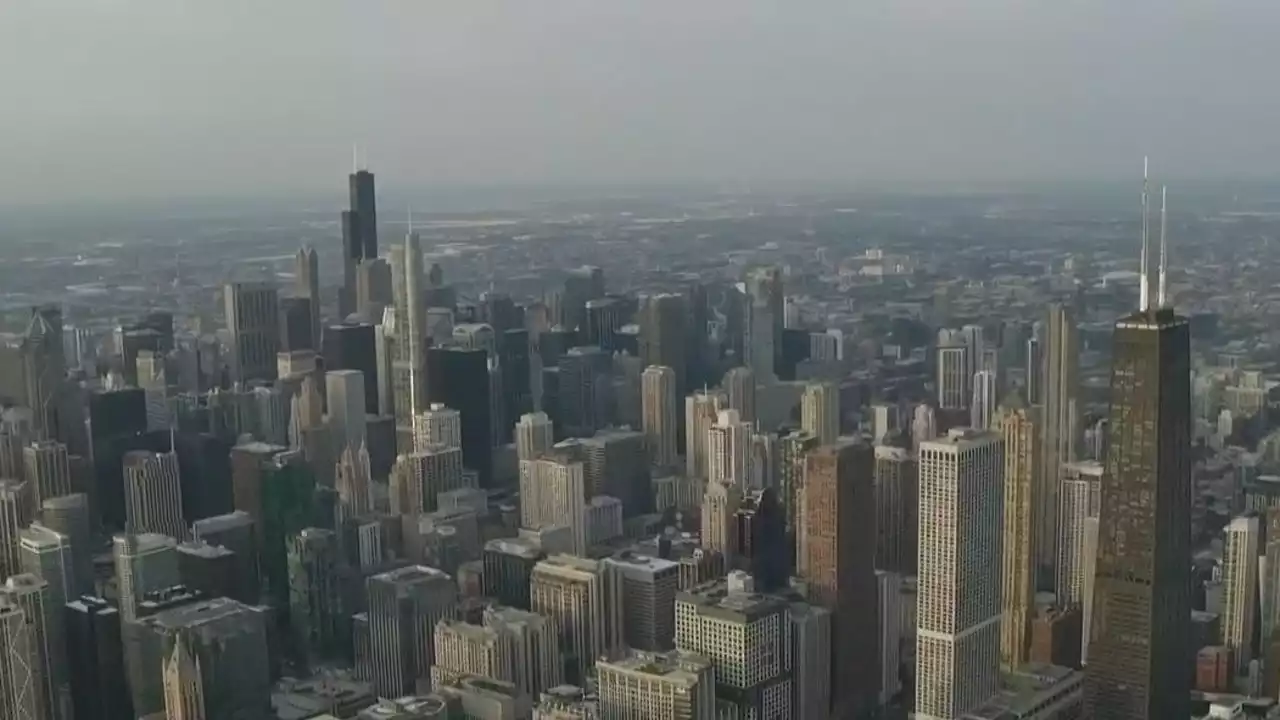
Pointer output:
120, 98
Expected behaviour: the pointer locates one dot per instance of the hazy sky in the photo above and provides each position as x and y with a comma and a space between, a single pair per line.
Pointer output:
101, 99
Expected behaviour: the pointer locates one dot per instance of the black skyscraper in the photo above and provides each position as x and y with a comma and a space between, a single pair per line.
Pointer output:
459, 378
1138, 655
295, 324
204, 466
513, 357
352, 346
95, 667
365, 207
762, 540
118, 425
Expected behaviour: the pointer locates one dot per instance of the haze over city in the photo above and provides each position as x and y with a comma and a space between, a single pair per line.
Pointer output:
109, 100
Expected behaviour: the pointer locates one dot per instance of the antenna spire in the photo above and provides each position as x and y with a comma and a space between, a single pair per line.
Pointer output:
355, 158
1144, 290
410, 220
1164, 221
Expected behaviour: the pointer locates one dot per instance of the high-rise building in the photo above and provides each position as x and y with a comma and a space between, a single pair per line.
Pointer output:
820, 412
748, 638
215, 662
306, 284
617, 465
953, 377
437, 426
47, 470
739, 385
353, 481
460, 379
353, 345
660, 414
44, 630
509, 644
1020, 431
508, 566
404, 607
958, 595
68, 516
144, 563
673, 685
534, 435
793, 453
409, 347
982, 409
345, 390
315, 603
720, 506
418, 478
1137, 666
896, 507
153, 494
924, 426
729, 450
95, 675
19, 673
701, 409
15, 514
584, 602
648, 599
889, 642
1078, 501
253, 320
585, 391
1060, 385
235, 532
553, 492
811, 660
761, 540
766, 318
1240, 580
663, 334
837, 546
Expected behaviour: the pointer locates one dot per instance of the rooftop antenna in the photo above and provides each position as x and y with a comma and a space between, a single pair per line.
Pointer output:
355, 158
1144, 292
1164, 221
411, 220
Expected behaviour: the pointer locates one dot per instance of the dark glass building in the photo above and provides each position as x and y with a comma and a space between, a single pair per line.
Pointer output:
95, 670
1138, 653
513, 358
762, 540
364, 206
459, 378
204, 464
295, 324
352, 346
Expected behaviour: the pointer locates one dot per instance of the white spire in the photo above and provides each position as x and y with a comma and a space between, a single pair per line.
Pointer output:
355, 158
1164, 220
1144, 291
410, 220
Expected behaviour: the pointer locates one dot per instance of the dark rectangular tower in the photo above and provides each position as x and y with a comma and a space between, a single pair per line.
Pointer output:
365, 208
1138, 668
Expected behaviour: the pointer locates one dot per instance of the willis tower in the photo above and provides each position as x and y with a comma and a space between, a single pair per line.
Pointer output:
1139, 650
359, 234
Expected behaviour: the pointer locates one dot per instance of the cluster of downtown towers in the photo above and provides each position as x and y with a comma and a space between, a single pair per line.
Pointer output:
399, 396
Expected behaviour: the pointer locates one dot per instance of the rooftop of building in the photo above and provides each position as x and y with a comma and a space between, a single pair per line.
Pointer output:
258, 447
203, 549
718, 597
412, 574
204, 613
299, 699
514, 546
631, 561
404, 708
1025, 689
568, 562
676, 664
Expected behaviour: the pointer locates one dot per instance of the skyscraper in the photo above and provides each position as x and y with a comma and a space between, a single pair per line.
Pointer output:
739, 384
701, 409
437, 426
663, 334
720, 506
94, 672
315, 604
534, 435
510, 644
1060, 383
767, 318
553, 492
896, 507
364, 206
1020, 432
1240, 580
820, 412
748, 637
648, 599
153, 494
215, 662
958, 596
657, 686
409, 349
306, 284
953, 377
459, 379
15, 514
19, 678
1079, 501
837, 557
729, 450
1140, 636
584, 602
404, 607
347, 422
660, 414
354, 483
44, 630
982, 409
69, 517
253, 320
48, 470
43, 368
144, 563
